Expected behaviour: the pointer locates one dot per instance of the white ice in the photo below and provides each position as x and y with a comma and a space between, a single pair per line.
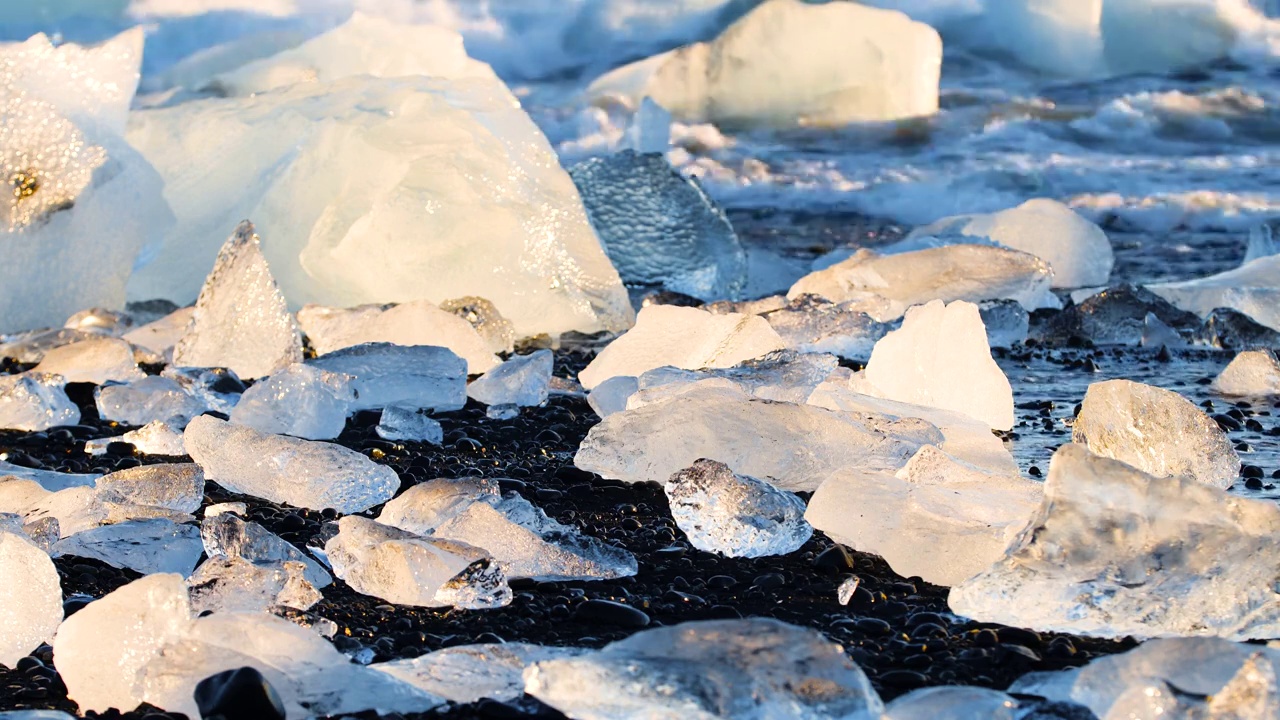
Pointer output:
386, 375
1253, 373
35, 401
412, 323
30, 597
1252, 288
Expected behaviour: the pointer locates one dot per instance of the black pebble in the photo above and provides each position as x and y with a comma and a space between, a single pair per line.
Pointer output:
237, 694
607, 612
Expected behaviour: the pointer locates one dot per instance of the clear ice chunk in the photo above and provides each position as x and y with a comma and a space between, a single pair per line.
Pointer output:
412, 323
148, 546
650, 128
225, 535
485, 318
399, 423
218, 388
468, 673
682, 337
302, 473
611, 396
241, 321
174, 486
384, 375
1156, 431
223, 584
31, 346
151, 399
523, 380
99, 361
735, 515
953, 703
659, 227
74, 508
1180, 558
34, 401
785, 376
812, 324
752, 669
30, 597
154, 438
1252, 288
1252, 373
846, 589
1006, 321
1262, 241
299, 400
160, 336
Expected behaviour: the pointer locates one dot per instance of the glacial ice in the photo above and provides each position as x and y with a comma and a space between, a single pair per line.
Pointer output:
100, 321
302, 473
520, 537
612, 395
1252, 373
940, 358
218, 388
154, 438
953, 703
752, 669
151, 399
223, 584
74, 508
408, 424
30, 597
1252, 288
1156, 431
407, 569
496, 330
42, 533
659, 227
1006, 321
1181, 558
31, 346
812, 324
682, 337
1262, 240
91, 85
788, 63
159, 337
649, 130
172, 486
34, 402
1116, 315
147, 546
98, 361
385, 375
240, 320
299, 400
753, 437
938, 518
884, 286
785, 376
468, 673
735, 515
347, 178
523, 380
1077, 249
227, 536
412, 323
1062, 37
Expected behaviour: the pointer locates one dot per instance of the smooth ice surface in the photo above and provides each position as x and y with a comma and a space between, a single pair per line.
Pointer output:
173, 486
147, 546
151, 399
753, 669
299, 400
682, 337
407, 423
1077, 249
302, 473
225, 535
789, 63
1253, 373
812, 324
735, 515
384, 375
937, 518
611, 396
100, 649
953, 703
366, 186
48, 479
521, 538
467, 673
407, 569
241, 321
35, 401
1180, 558
154, 438
884, 286
940, 358
161, 336
753, 437
1157, 431
659, 227
30, 597
523, 380
235, 585
74, 509
785, 375
97, 361
1252, 288
412, 323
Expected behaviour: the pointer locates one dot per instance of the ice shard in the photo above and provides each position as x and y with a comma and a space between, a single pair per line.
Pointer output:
735, 515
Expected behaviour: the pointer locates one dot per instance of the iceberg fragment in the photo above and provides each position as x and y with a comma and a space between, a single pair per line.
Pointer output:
299, 400
523, 381
154, 438
408, 424
153, 545
384, 375
227, 536
172, 486
735, 515
35, 401
411, 323
98, 361
1252, 289
151, 399
496, 330
236, 585
1252, 373
30, 597
812, 324
468, 673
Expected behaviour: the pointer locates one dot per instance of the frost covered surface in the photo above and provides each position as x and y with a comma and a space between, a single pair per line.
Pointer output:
35, 401
385, 375
1182, 558
299, 400
1157, 431
1252, 288
735, 515
30, 608
523, 380
97, 361
302, 473
412, 323
1253, 373
467, 673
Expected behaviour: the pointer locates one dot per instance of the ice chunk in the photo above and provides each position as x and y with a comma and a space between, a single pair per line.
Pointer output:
953, 703
151, 399
35, 401
89, 84
100, 321
43, 533
1156, 334
30, 597
348, 177
147, 546
786, 376
521, 538
1190, 34
1155, 430
940, 358
98, 361
1262, 241
682, 337
1052, 36
236, 585
299, 400
160, 337
100, 650
485, 318
1179, 558
467, 673
659, 227
1253, 373
1252, 288
178, 486
408, 424
1115, 315
75, 508
753, 437
302, 473
650, 128
154, 438
611, 396
1006, 321
240, 321
48, 479
813, 324
752, 669
790, 63
937, 518
364, 45
884, 286
218, 388
523, 380
406, 569
735, 515
411, 323
226, 535
30, 347
384, 375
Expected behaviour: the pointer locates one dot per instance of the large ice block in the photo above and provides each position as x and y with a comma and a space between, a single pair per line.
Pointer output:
35, 401
386, 375
30, 597
412, 323
299, 400
1253, 289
